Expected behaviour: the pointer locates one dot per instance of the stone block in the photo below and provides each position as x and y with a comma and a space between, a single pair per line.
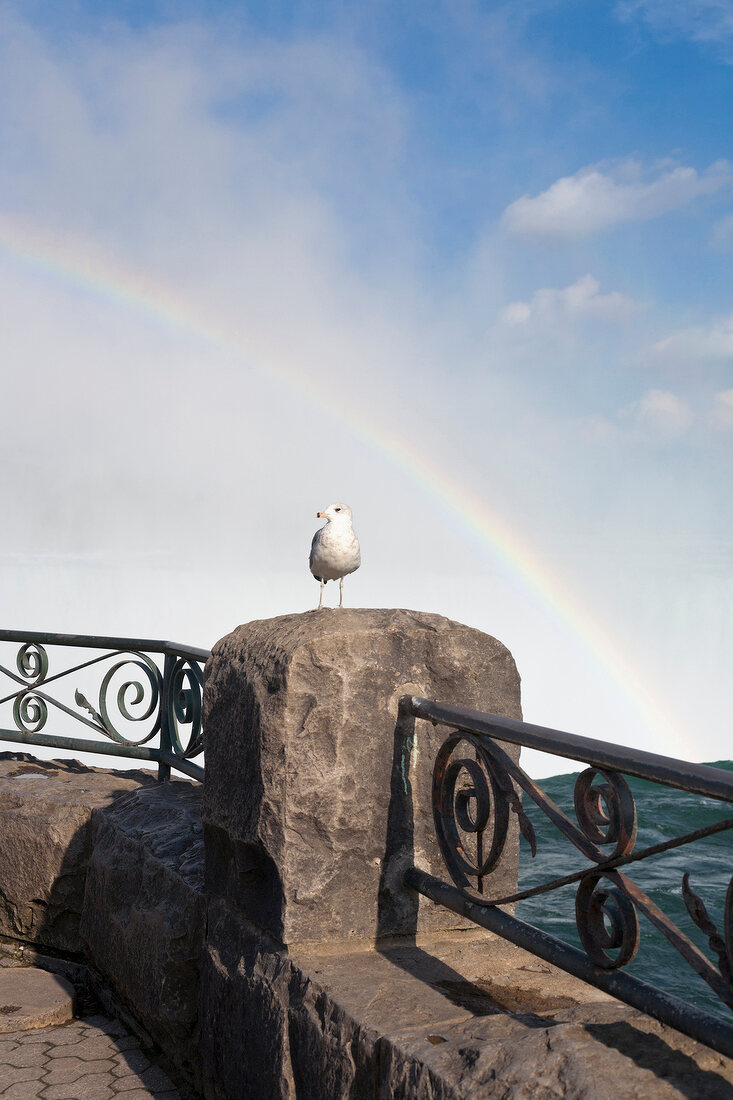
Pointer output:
244, 1011
45, 841
317, 795
144, 910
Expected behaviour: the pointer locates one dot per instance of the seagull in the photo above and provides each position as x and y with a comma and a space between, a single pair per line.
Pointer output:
335, 549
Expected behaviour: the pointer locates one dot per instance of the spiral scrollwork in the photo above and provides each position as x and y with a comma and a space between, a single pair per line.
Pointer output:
469, 802
30, 712
606, 811
136, 700
182, 703
32, 663
607, 921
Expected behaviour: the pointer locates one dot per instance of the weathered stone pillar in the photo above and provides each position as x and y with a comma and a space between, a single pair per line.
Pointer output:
316, 796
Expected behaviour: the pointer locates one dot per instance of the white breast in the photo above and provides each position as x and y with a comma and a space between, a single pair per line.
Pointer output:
335, 551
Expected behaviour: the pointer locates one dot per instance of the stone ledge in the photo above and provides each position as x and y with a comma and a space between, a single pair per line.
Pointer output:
467, 1020
486, 1019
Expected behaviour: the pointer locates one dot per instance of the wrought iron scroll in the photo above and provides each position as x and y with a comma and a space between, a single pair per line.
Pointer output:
476, 789
145, 699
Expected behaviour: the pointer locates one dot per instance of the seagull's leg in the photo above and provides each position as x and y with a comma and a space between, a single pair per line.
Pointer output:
320, 598
341, 592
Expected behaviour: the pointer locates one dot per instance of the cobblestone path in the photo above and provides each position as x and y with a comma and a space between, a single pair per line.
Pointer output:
94, 1058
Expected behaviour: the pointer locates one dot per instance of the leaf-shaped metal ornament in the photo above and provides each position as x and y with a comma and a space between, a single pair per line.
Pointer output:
696, 908
82, 701
526, 827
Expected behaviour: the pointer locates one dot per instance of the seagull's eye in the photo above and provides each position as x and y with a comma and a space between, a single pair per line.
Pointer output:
337, 509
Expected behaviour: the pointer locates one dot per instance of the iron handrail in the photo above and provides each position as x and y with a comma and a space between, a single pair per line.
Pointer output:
697, 778
476, 790
91, 641
166, 703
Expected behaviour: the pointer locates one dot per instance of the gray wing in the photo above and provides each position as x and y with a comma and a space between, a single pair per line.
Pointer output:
314, 544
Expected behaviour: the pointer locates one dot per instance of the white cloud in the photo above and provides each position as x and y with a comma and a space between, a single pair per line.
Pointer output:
659, 414
516, 313
696, 343
723, 409
597, 198
658, 417
579, 301
704, 21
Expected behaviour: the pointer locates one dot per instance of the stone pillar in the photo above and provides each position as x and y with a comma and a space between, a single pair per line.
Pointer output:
317, 797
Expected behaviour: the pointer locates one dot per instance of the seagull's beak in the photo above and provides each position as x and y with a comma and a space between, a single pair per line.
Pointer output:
321, 515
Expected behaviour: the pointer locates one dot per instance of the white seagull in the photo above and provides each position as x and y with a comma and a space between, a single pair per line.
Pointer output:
335, 549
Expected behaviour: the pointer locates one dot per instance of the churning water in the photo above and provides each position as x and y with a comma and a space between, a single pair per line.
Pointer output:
663, 813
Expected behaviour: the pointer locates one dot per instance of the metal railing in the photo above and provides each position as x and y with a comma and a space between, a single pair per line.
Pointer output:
143, 711
476, 789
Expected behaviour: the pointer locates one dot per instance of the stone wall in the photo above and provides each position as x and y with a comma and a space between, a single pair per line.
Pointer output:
144, 914
264, 939
46, 841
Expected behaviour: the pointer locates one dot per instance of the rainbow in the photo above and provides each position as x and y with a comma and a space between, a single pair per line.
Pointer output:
67, 258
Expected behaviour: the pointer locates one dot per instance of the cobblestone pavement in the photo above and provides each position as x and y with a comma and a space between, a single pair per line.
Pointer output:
94, 1058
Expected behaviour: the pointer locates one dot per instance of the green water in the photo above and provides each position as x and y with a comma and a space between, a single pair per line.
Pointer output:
663, 813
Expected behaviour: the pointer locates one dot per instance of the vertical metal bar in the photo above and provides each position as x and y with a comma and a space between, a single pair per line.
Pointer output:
479, 843
166, 702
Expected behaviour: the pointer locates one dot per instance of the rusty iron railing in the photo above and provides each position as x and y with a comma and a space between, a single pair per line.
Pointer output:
142, 710
476, 789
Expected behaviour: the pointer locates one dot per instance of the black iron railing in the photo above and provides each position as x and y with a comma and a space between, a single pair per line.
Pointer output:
476, 789
142, 696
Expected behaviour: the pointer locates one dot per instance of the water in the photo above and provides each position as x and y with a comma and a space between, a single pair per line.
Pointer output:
663, 813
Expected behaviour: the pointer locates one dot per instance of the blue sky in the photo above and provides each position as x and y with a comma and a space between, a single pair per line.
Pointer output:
504, 230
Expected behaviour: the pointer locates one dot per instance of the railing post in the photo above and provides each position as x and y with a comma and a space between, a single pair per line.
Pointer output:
318, 792
166, 703
317, 798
